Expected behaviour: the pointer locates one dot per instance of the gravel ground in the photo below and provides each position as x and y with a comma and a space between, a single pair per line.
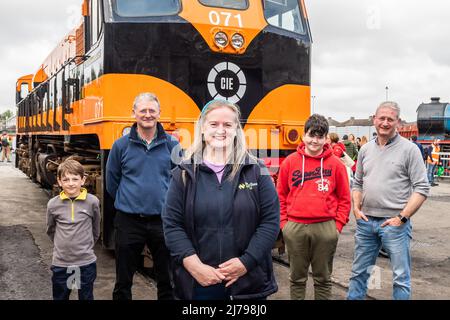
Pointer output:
22, 276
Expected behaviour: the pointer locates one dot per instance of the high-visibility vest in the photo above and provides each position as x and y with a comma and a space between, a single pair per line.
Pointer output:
434, 155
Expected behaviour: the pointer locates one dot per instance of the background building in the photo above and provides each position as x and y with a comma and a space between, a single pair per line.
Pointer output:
357, 127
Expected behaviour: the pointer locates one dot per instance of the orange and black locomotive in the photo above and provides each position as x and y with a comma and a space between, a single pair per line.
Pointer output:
255, 53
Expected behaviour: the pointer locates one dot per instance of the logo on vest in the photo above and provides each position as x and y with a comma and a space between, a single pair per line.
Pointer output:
247, 185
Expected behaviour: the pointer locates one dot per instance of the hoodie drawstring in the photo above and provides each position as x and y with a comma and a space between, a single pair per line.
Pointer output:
303, 169
321, 172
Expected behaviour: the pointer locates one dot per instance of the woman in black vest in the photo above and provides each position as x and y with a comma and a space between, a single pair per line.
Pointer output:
221, 216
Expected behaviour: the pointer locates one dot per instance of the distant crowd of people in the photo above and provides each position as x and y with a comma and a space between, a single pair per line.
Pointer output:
210, 217
5, 146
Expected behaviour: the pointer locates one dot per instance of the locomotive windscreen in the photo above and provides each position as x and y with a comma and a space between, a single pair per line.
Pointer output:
229, 4
284, 14
146, 8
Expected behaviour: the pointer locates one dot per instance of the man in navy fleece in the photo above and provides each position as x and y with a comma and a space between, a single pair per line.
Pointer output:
137, 178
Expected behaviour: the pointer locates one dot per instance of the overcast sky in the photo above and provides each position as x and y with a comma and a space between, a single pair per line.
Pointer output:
360, 47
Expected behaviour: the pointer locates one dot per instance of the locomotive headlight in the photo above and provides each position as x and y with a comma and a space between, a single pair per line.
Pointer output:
221, 39
292, 136
126, 131
237, 41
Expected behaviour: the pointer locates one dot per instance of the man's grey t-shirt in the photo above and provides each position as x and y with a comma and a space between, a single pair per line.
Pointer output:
387, 176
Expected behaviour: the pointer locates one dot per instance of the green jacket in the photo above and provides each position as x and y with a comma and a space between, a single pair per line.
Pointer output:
350, 149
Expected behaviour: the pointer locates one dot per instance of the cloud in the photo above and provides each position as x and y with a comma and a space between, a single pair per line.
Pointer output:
29, 31
362, 46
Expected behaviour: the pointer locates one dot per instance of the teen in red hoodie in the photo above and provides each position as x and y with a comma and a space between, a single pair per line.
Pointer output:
315, 205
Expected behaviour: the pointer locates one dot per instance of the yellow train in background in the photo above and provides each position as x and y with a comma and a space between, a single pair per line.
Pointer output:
255, 53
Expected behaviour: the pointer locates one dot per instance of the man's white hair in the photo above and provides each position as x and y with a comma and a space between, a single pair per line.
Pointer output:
146, 97
391, 105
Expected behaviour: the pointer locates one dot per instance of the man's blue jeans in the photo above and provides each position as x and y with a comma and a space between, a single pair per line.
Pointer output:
430, 172
369, 238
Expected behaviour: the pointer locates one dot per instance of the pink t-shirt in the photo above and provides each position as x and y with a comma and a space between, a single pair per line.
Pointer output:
217, 168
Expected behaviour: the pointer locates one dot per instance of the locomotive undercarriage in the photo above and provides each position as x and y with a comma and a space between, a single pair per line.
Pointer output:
39, 156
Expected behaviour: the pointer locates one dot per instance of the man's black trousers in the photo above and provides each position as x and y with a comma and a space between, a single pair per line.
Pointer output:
133, 231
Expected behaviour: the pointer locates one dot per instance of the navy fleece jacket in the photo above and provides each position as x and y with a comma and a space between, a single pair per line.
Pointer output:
218, 221
137, 178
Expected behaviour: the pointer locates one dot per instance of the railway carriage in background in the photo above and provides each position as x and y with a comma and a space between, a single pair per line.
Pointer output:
256, 53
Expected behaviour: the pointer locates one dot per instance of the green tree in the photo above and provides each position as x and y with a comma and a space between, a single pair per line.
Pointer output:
6, 115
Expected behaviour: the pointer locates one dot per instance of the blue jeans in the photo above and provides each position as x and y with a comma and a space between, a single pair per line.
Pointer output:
430, 172
369, 238
83, 276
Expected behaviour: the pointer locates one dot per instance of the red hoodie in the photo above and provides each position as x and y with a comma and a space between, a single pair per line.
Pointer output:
318, 193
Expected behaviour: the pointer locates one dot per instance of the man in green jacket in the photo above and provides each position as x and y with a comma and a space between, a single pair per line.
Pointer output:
350, 148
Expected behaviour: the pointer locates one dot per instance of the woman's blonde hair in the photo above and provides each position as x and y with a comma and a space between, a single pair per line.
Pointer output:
239, 153
363, 140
